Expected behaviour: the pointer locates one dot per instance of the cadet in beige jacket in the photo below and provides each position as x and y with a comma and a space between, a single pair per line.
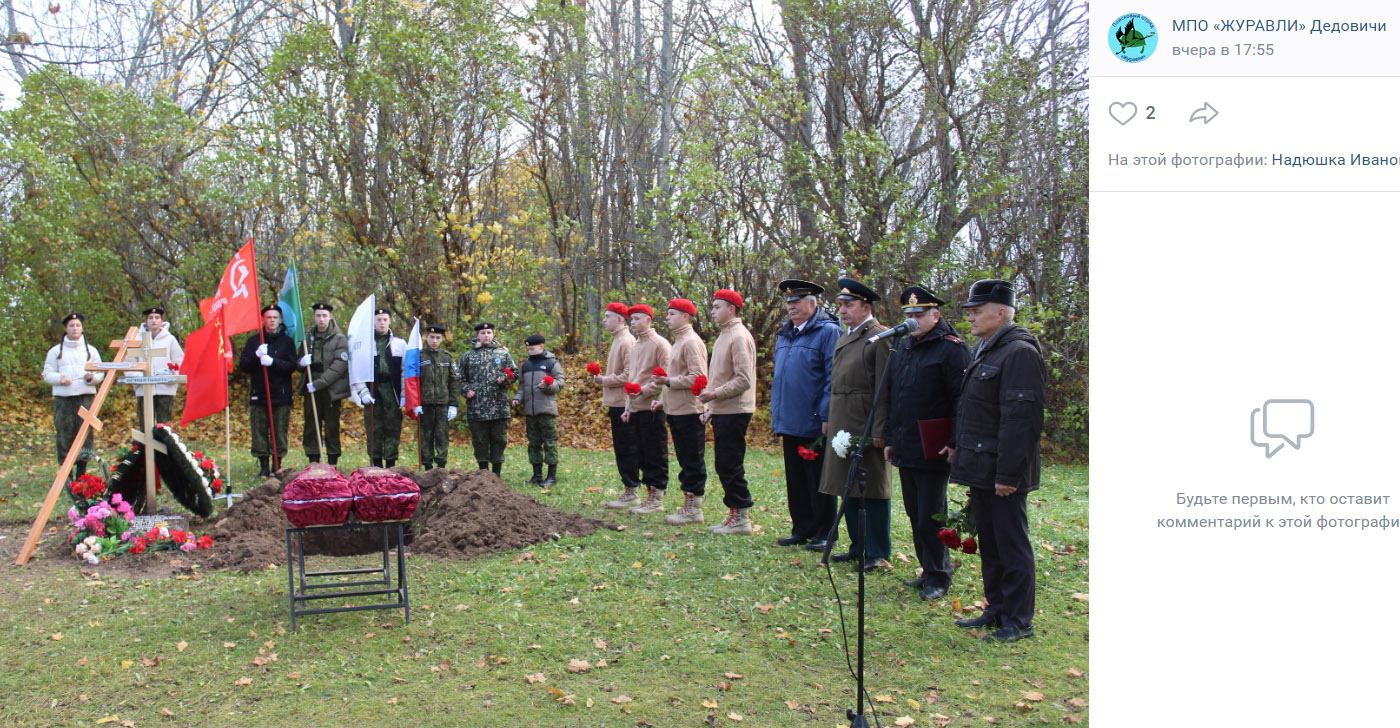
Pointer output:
729, 400
612, 380
683, 408
643, 411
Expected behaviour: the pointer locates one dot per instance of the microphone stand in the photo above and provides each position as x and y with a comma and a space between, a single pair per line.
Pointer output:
858, 474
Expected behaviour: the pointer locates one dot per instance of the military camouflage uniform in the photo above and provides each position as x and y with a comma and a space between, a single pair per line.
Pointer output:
541, 406
439, 384
488, 413
330, 365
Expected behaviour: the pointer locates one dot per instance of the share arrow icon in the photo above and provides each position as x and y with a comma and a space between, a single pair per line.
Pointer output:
1206, 114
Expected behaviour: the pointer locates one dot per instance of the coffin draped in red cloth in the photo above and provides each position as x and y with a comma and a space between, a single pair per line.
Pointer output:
317, 496
383, 495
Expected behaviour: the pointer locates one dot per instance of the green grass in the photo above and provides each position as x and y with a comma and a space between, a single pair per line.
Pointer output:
669, 610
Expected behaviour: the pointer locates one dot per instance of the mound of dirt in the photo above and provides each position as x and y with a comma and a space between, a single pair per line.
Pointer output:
460, 514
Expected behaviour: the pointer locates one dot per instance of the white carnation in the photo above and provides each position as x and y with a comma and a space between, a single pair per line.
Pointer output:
841, 443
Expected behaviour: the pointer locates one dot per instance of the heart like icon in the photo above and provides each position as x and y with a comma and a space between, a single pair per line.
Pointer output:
1122, 111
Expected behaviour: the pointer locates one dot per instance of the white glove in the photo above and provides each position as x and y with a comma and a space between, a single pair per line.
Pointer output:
265, 359
366, 399
310, 386
356, 399
402, 402
305, 360
451, 413
262, 351
418, 411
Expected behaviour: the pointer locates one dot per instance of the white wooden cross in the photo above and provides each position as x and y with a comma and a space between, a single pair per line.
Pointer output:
146, 436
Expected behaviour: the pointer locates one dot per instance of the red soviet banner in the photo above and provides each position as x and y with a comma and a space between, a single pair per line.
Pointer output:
237, 297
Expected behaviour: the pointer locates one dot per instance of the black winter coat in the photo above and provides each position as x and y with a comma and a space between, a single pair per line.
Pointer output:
1001, 413
284, 361
924, 382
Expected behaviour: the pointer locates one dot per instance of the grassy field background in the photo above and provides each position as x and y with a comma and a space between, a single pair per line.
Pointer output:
676, 627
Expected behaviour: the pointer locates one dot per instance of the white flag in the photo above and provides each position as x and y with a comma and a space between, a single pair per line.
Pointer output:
361, 337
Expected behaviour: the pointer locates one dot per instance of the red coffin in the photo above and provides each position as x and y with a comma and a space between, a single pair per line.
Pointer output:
383, 495
318, 496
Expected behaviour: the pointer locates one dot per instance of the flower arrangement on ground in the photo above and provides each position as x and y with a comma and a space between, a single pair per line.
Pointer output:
192, 477
101, 527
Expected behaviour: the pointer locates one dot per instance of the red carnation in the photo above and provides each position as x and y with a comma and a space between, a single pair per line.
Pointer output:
217, 485
198, 455
949, 537
173, 366
699, 386
659, 372
153, 535
548, 380
207, 464
179, 536
138, 547
969, 546
594, 369
509, 374
632, 388
806, 454
205, 542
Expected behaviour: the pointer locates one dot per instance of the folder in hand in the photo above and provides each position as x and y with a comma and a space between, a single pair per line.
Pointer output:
934, 434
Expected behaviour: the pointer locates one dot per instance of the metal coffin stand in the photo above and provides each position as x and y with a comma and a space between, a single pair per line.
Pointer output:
303, 593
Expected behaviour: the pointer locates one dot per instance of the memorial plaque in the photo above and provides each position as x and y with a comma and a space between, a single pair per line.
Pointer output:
142, 524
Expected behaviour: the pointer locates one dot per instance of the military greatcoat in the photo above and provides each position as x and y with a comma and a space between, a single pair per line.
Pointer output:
855, 371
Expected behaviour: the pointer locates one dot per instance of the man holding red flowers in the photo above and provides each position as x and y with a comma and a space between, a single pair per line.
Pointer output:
729, 404
612, 381
642, 413
683, 408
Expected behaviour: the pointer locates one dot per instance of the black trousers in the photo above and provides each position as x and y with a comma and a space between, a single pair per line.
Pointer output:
624, 437
688, 435
812, 512
730, 431
1008, 561
925, 492
651, 448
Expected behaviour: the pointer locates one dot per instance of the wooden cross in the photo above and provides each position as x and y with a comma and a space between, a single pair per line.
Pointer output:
146, 435
90, 422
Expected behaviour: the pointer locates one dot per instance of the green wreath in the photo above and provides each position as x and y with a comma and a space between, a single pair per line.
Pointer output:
177, 468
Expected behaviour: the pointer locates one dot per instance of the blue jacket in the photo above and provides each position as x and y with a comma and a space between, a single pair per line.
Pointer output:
802, 376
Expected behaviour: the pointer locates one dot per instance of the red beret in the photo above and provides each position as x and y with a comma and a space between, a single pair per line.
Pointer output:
618, 308
641, 308
682, 305
724, 294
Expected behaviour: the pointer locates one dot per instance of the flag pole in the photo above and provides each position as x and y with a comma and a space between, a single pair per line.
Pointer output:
315, 416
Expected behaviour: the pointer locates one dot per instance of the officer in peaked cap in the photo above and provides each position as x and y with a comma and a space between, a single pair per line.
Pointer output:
925, 377
855, 368
795, 289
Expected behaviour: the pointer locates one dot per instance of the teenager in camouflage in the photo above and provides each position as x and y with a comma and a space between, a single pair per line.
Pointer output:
438, 382
487, 371
383, 398
541, 378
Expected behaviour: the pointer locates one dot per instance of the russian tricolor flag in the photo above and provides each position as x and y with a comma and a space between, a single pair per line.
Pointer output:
412, 367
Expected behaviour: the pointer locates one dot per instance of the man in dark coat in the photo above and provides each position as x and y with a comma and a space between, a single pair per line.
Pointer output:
855, 371
274, 353
1000, 416
926, 370
800, 398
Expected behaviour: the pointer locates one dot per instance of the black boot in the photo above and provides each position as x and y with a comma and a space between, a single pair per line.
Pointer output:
263, 472
332, 459
550, 479
481, 464
376, 462
313, 458
538, 477
79, 469
390, 462
426, 466
496, 468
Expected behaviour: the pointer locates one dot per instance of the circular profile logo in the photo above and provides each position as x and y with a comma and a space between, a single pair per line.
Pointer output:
1132, 38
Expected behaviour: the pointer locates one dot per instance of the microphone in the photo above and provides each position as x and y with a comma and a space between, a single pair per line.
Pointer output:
900, 330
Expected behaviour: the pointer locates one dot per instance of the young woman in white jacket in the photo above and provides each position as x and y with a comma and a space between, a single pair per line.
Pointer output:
73, 387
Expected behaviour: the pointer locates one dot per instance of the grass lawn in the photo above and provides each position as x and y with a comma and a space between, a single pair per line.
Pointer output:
677, 627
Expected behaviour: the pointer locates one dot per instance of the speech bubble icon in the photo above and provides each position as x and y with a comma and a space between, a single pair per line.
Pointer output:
1288, 420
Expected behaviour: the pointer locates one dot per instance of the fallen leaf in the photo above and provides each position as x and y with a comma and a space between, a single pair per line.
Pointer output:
1083, 597
107, 719
181, 645
82, 662
941, 721
577, 666
600, 644
713, 704
1075, 672
150, 661
621, 700
574, 600
765, 608
126, 664
884, 698
231, 645
1033, 695
733, 676
903, 721
166, 712
1071, 719
724, 685
729, 577
243, 681
1079, 702
1024, 706
792, 704
735, 717
393, 701
56, 636
913, 704
534, 677
601, 664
